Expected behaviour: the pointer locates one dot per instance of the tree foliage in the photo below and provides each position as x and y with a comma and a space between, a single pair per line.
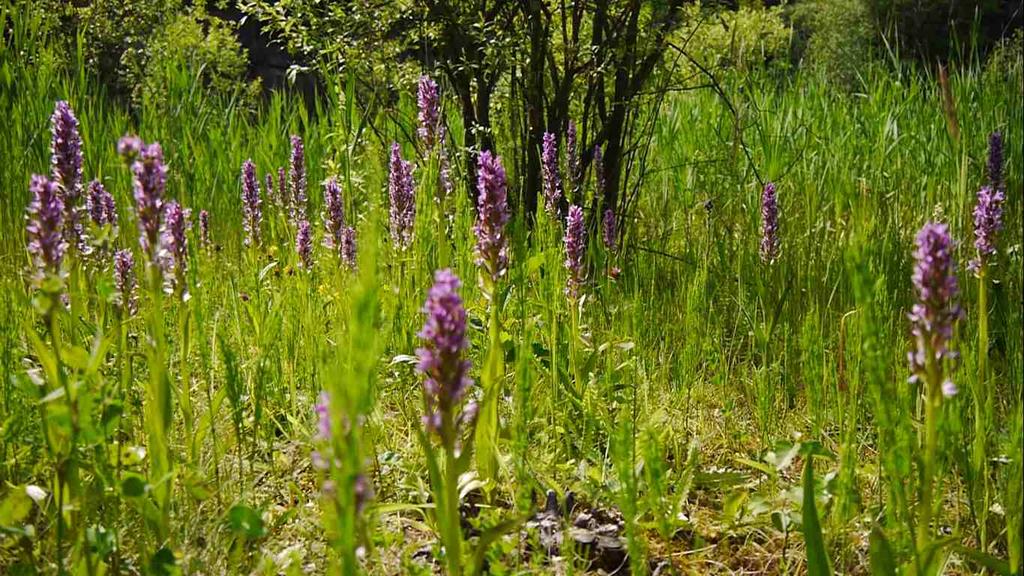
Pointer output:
554, 60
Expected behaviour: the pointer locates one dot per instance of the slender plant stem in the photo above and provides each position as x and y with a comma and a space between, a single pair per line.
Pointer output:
124, 372
933, 395
61, 463
982, 407
185, 392
574, 323
549, 245
159, 405
451, 527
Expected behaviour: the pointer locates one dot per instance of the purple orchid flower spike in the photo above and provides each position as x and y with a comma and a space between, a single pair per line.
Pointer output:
441, 359
936, 309
770, 243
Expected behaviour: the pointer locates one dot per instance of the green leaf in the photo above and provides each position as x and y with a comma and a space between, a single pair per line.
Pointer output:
486, 438
111, 416
732, 504
163, 563
817, 557
76, 357
58, 420
196, 485
399, 508
133, 486
491, 535
883, 560
150, 513
246, 522
783, 455
780, 520
15, 507
44, 354
98, 354
936, 553
993, 564
535, 262
759, 466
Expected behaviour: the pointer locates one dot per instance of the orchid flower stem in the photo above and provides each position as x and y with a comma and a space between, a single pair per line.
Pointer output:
61, 464
453, 541
159, 405
932, 400
982, 407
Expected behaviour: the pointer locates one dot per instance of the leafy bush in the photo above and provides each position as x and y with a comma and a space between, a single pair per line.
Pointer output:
1007, 59
115, 34
839, 37
139, 48
191, 48
742, 39
834, 37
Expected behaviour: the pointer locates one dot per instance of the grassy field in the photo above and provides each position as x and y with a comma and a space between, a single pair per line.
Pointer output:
681, 403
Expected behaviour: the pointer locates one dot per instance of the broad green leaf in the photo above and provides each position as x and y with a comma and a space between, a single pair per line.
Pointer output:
883, 560
818, 563
133, 486
246, 522
111, 416
14, 507
487, 421
196, 485
76, 357
163, 563
45, 356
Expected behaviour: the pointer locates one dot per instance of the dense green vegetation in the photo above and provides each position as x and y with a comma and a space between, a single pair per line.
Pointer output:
725, 414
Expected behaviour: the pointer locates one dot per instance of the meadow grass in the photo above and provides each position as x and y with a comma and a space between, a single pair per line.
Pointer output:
681, 393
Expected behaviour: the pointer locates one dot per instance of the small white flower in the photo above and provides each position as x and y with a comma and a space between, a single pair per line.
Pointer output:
35, 493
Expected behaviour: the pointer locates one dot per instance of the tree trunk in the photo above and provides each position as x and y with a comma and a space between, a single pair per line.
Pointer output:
534, 103
615, 125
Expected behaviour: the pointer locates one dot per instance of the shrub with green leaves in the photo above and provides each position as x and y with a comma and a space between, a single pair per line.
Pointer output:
1006, 62
115, 34
742, 40
191, 48
833, 37
143, 49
